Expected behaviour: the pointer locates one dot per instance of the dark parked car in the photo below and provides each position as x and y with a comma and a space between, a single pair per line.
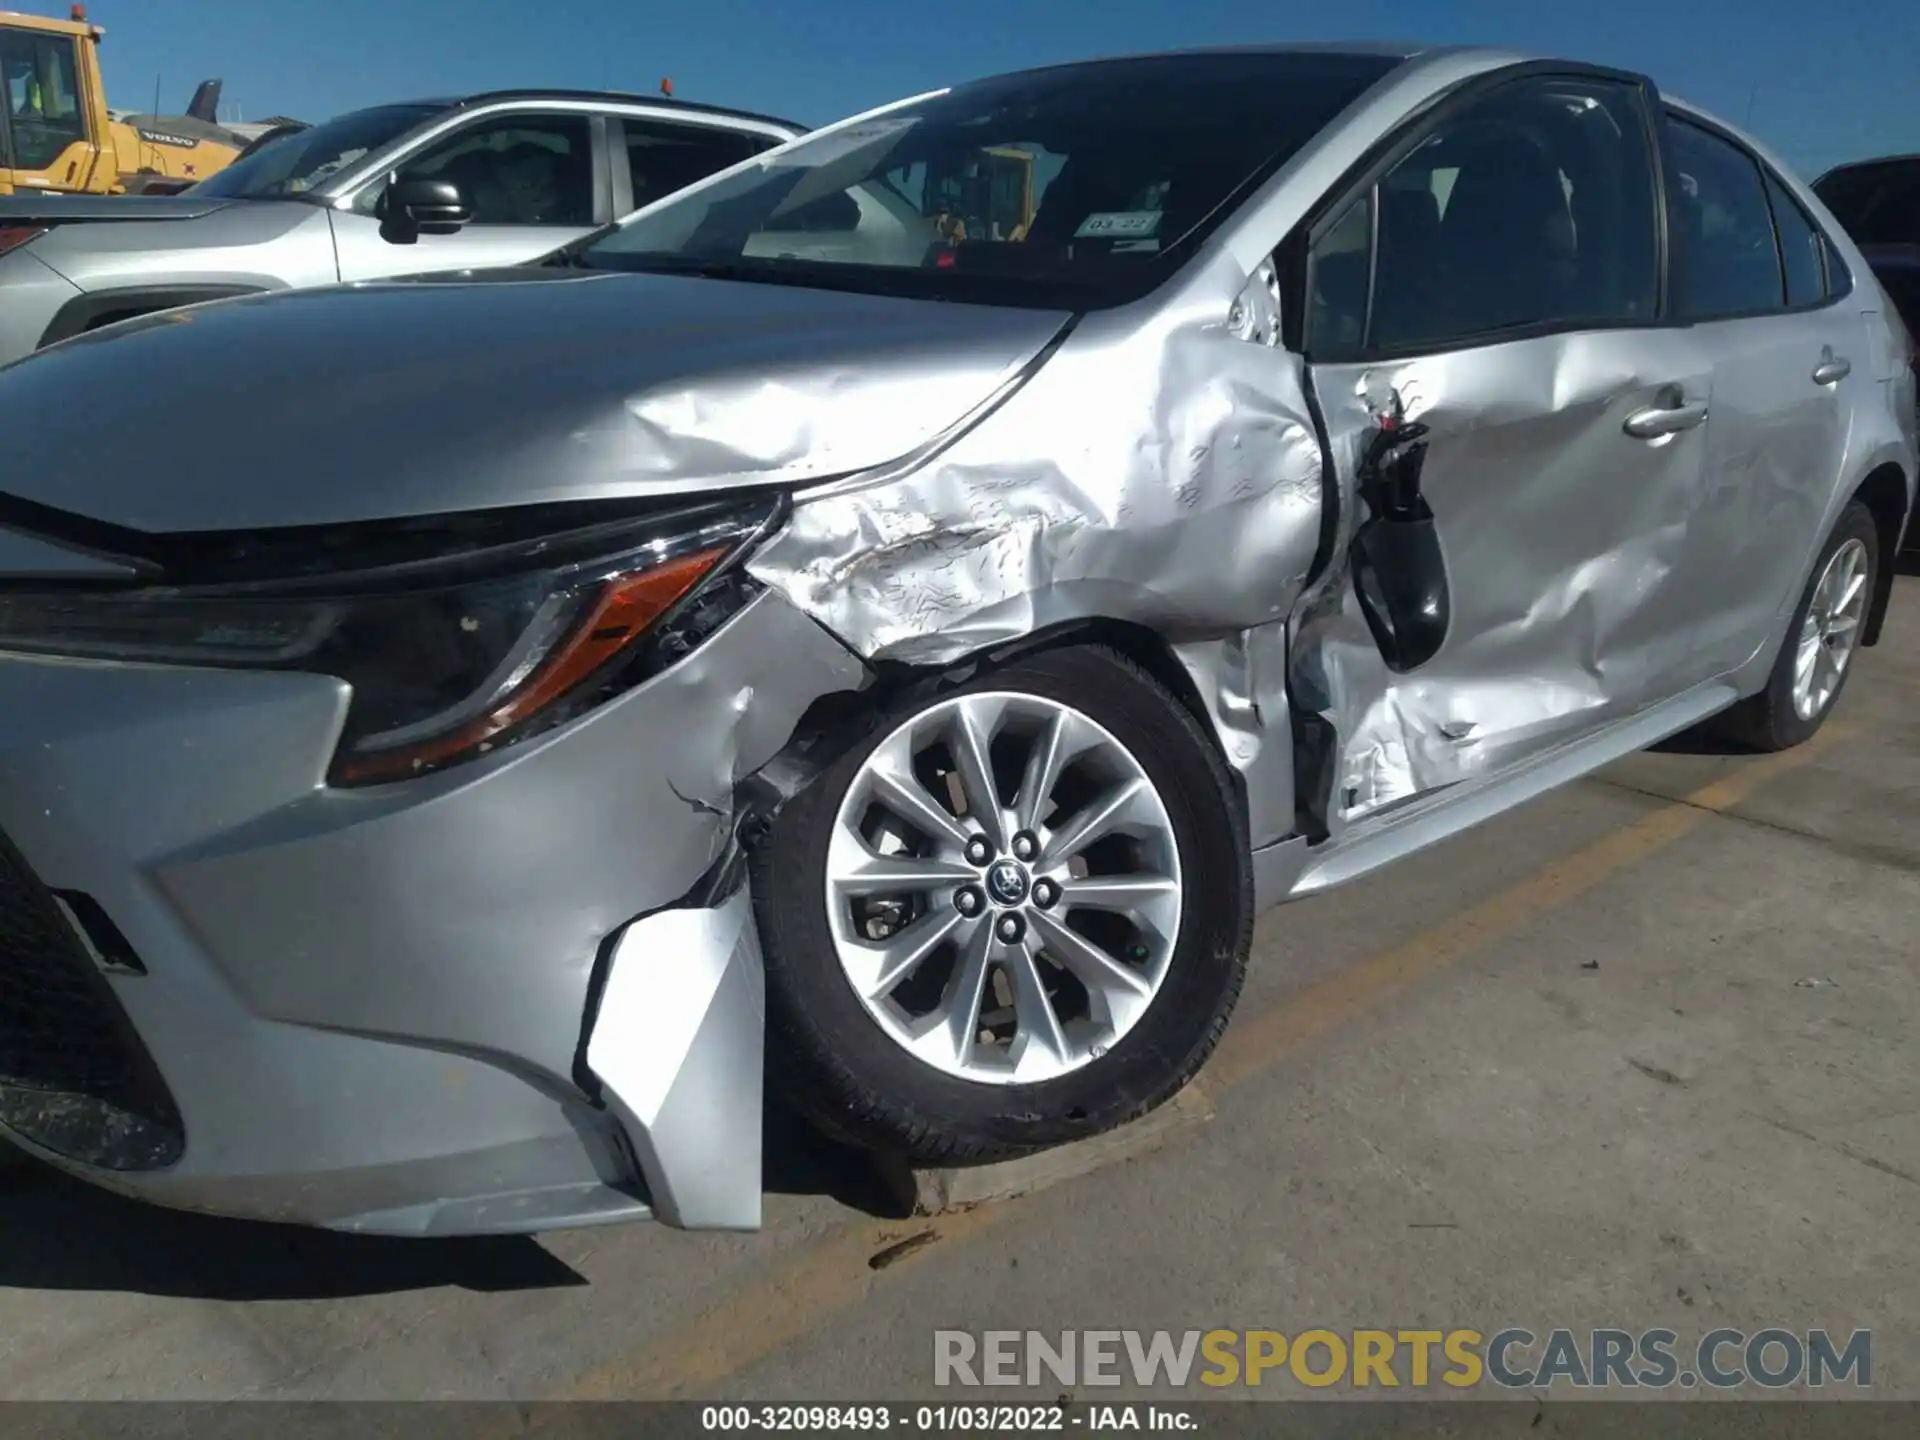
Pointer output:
1878, 203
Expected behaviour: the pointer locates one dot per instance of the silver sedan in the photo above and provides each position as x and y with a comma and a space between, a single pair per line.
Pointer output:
897, 608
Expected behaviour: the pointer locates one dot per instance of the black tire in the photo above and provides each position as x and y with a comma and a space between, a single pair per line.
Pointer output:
1768, 721
834, 1063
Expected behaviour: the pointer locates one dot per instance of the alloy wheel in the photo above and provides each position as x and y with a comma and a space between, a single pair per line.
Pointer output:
1004, 887
1831, 630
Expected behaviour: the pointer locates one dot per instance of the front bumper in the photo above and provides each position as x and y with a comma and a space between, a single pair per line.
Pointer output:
461, 1004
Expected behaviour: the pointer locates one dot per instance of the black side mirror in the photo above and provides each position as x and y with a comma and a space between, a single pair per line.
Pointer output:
1400, 576
1399, 568
416, 205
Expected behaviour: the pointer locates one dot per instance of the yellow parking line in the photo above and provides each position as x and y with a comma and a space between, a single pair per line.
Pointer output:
792, 1300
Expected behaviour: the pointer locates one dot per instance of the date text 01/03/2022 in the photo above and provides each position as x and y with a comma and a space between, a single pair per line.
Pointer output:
946, 1419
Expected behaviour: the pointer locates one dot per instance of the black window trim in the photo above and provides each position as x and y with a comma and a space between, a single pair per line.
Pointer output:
1295, 253
1672, 115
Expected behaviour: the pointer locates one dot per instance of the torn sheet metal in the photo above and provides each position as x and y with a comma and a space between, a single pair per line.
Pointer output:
1584, 578
1160, 468
678, 1045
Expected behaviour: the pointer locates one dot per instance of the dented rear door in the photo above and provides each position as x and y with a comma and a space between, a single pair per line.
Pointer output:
1558, 472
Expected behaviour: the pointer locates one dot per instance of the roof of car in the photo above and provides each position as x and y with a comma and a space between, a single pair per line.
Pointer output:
618, 97
1870, 164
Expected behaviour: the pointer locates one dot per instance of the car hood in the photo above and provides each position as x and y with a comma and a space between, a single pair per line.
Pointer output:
107, 209
477, 391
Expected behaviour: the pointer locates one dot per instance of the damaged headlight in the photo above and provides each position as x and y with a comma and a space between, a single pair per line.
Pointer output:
448, 657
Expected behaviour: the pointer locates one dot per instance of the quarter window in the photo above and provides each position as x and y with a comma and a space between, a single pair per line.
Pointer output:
512, 170
1532, 208
1725, 260
1800, 247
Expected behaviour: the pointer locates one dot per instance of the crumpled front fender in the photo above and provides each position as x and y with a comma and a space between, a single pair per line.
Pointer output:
678, 1047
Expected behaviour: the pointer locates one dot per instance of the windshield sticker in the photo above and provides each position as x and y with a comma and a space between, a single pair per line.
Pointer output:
1118, 225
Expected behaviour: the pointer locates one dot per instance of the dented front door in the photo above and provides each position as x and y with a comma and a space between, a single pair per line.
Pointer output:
1558, 475
1574, 593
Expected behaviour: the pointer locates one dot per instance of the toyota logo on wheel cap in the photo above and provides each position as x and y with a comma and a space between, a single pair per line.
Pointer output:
1007, 883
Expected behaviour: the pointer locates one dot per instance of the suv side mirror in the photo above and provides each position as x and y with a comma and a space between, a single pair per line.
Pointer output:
415, 205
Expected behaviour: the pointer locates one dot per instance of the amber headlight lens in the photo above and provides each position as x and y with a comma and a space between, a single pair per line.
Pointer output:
447, 661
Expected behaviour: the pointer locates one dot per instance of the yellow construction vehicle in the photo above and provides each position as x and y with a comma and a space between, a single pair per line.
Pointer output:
57, 135
986, 193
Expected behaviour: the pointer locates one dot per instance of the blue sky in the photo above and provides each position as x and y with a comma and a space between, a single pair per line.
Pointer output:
1826, 81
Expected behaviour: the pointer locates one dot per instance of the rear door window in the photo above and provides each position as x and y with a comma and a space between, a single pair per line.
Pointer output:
1725, 259
662, 158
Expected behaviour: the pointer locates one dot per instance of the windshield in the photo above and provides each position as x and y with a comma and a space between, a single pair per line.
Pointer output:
1079, 186
296, 163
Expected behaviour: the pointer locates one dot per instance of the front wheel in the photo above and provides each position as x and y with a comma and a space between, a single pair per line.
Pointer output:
1016, 914
1818, 654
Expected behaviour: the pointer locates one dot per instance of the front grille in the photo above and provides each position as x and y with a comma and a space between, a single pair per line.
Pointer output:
74, 1077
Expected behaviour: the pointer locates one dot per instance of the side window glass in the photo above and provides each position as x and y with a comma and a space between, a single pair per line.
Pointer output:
1339, 269
1725, 260
663, 158
513, 170
1800, 247
42, 96
1533, 207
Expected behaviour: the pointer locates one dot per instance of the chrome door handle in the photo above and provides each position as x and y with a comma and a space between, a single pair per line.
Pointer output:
1657, 420
1831, 371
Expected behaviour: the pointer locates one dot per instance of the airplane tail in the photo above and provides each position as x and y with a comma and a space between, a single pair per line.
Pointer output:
206, 102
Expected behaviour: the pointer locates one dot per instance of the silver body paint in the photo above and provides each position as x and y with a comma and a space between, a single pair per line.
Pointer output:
483, 1001
367, 1004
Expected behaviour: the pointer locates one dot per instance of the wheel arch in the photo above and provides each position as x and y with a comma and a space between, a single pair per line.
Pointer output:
98, 308
838, 720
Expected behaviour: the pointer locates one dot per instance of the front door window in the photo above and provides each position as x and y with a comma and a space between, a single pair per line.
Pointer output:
512, 170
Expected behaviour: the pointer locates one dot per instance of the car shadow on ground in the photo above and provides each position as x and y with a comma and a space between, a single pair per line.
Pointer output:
801, 1161
58, 1233
1701, 740
62, 1234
